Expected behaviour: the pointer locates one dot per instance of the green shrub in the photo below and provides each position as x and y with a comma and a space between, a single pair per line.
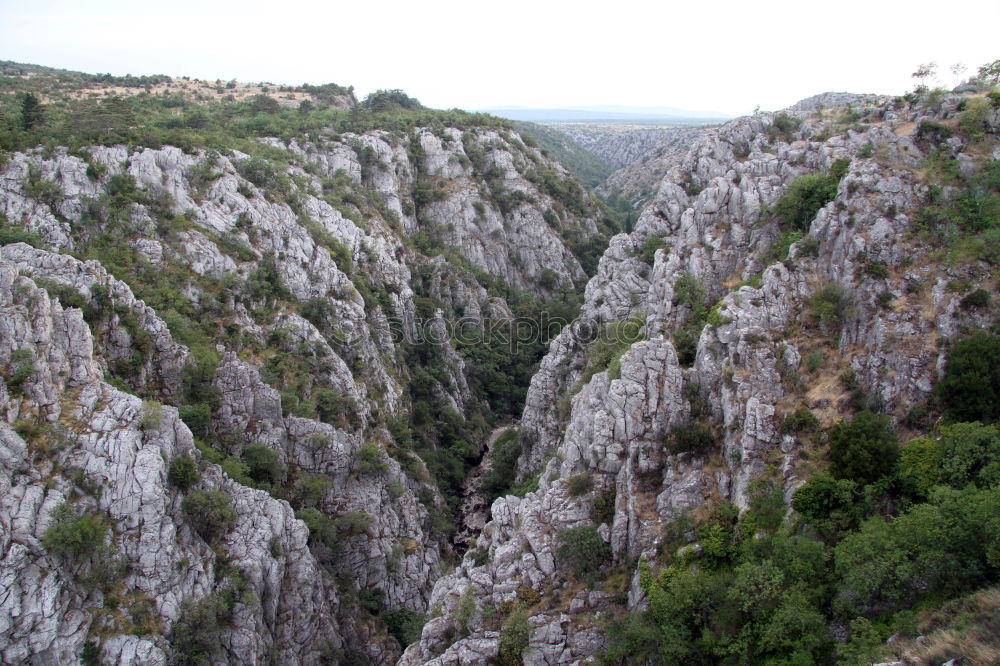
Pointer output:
465, 610
970, 388
604, 506
612, 342
830, 304
514, 637
90, 655
321, 527
73, 537
875, 269
975, 119
236, 470
919, 465
980, 298
152, 415
183, 472
582, 550
262, 464
780, 250
310, 489
370, 460
334, 408
813, 360
195, 635
807, 194
765, 506
933, 132
265, 175
801, 420
822, 495
210, 513
863, 449
503, 465
646, 252
859, 399
404, 625
68, 296
580, 484
22, 367
198, 419
353, 523
693, 437
969, 453
479, 557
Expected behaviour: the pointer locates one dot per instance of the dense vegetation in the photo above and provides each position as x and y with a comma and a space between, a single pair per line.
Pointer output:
587, 167
884, 532
69, 117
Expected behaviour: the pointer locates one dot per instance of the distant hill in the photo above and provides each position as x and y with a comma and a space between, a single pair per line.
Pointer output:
588, 167
611, 114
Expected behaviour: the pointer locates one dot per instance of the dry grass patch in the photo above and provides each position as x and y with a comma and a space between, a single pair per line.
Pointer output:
829, 391
966, 629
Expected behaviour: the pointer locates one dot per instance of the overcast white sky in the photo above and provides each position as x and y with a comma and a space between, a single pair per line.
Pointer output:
727, 56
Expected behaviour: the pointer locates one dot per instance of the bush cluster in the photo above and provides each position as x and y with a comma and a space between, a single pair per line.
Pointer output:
807, 194
210, 513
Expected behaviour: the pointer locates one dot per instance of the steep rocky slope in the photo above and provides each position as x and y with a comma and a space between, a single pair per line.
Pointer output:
728, 337
244, 387
619, 146
638, 179
280, 316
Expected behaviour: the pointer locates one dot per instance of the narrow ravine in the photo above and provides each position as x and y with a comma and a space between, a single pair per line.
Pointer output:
474, 511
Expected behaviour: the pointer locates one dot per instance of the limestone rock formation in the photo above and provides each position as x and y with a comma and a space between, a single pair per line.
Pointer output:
707, 237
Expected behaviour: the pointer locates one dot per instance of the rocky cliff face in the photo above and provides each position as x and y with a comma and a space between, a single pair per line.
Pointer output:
620, 146
638, 179
279, 316
708, 237
234, 398
69, 437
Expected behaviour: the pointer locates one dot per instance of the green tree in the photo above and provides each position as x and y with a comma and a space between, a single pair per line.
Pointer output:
942, 547
862, 449
32, 112
970, 388
969, 453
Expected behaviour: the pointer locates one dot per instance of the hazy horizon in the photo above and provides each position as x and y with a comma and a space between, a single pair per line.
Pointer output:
530, 55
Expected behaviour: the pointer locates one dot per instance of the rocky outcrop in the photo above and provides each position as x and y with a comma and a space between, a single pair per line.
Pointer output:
434, 186
637, 180
713, 236
118, 316
312, 289
393, 551
835, 100
621, 145
78, 440
310, 260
